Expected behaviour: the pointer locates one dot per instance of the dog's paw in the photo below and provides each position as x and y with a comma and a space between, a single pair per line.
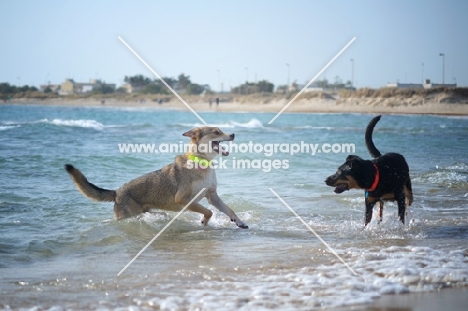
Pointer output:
243, 226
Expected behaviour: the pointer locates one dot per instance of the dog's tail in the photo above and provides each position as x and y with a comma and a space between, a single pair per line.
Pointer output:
87, 188
369, 143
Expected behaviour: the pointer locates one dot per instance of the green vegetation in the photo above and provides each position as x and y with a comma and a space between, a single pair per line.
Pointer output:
7, 89
404, 93
102, 89
144, 88
250, 88
144, 85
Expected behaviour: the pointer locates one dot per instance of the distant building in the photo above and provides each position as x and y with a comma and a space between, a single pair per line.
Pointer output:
132, 88
71, 87
52, 87
427, 85
311, 88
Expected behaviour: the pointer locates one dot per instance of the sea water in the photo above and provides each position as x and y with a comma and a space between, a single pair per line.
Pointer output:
60, 250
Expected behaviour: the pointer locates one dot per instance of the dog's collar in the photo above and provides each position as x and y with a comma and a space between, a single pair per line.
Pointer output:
376, 179
202, 163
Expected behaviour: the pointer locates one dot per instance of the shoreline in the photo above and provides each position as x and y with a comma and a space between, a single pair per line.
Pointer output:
311, 105
447, 298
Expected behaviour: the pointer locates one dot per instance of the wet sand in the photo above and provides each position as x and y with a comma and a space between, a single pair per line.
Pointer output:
452, 299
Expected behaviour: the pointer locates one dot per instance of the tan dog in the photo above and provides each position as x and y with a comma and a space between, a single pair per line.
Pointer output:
173, 186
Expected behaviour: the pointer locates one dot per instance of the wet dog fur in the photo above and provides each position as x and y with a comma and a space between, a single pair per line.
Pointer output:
385, 178
173, 186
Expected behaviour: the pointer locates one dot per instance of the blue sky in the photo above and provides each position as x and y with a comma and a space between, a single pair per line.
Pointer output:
224, 42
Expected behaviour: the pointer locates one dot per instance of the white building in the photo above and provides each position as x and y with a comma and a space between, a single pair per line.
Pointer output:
427, 85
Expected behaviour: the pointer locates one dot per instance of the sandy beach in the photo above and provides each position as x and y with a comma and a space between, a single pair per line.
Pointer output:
453, 299
443, 105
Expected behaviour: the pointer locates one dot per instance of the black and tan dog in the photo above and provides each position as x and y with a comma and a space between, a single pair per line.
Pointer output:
386, 178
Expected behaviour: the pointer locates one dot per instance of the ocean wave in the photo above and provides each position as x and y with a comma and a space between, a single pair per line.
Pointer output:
451, 176
75, 123
253, 123
84, 123
7, 127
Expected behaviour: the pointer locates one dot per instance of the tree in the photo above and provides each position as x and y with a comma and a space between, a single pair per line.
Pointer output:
6, 88
265, 86
282, 88
138, 80
322, 83
194, 89
153, 89
103, 89
121, 90
248, 88
170, 81
183, 81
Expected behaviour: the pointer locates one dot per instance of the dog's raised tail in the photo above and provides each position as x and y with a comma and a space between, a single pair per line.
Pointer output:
369, 143
87, 188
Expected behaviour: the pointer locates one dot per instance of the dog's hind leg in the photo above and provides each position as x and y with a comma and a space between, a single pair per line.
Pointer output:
127, 208
409, 191
401, 201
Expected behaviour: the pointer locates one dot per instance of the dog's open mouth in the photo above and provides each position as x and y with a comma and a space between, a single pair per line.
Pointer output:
220, 149
339, 188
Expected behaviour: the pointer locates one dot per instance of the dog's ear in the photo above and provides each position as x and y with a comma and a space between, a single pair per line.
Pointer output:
351, 157
193, 133
352, 161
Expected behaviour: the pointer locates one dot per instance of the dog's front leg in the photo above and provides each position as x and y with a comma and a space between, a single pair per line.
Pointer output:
216, 201
198, 208
370, 202
380, 210
183, 198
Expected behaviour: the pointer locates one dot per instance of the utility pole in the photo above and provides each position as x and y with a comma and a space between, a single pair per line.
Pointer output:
247, 80
443, 67
287, 84
352, 73
422, 73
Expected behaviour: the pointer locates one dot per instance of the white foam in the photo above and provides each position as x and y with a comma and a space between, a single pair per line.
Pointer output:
75, 123
392, 270
253, 123
4, 128
446, 178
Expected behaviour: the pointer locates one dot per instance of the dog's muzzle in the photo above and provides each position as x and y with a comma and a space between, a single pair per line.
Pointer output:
339, 187
220, 149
